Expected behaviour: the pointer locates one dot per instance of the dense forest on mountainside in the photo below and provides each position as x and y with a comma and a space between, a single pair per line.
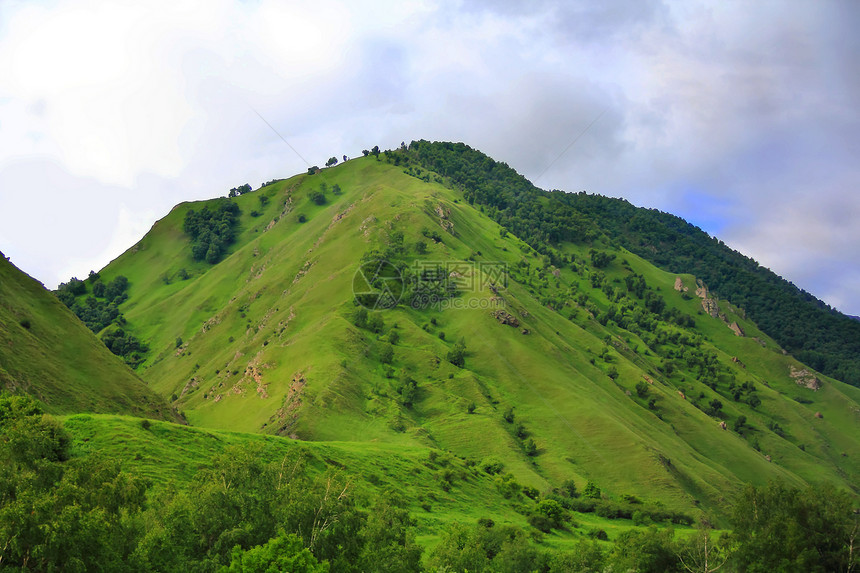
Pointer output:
100, 309
814, 333
213, 230
803, 325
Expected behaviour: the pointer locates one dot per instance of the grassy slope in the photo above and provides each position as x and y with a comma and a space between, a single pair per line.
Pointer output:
167, 453
268, 346
58, 360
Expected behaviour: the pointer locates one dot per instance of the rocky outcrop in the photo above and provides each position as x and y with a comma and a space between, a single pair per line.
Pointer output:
803, 377
505, 317
709, 304
679, 285
367, 225
736, 328
445, 218
287, 414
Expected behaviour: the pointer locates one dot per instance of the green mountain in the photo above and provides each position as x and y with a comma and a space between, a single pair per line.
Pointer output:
46, 352
528, 335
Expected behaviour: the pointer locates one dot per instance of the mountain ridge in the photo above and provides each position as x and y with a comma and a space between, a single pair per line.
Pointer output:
269, 343
822, 337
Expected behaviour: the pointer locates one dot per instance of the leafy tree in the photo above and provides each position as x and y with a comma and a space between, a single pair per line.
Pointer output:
116, 288
530, 447
360, 317
457, 354
318, 197
389, 538
240, 190
591, 490
75, 286
492, 465
286, 552
125, 344
407, 387
211, 230
780, 528
600, 259
57, 513
521, 431
484, 549
99, 289
241, 500
754, 401
386, 353
649, 551
583, 557
375, 322
553, 511
213, 253
568, 488
641, 389
714, 407
331, 161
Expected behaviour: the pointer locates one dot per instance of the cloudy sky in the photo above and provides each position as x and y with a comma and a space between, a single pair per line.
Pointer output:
742, 117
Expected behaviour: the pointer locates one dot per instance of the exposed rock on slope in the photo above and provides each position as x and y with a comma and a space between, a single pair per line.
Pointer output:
804, 377
709, 304
505, 317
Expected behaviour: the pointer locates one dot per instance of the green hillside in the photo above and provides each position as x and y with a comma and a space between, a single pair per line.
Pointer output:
416, 360
437, 488
47, 353
611, 375
805, 326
